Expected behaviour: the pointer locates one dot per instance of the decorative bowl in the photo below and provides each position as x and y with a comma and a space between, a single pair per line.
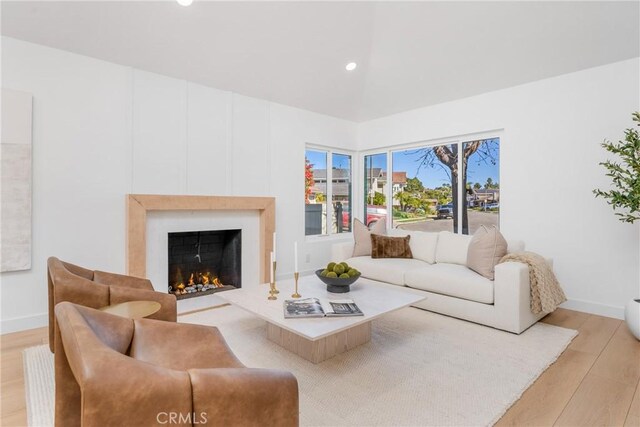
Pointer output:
337, 285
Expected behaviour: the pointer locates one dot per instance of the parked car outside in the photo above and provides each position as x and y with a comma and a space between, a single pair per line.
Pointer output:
375, 213
445, 211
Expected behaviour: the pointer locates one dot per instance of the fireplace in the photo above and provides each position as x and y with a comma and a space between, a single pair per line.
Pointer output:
204, 262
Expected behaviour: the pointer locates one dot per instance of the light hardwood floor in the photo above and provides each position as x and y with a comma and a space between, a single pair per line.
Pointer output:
594, 382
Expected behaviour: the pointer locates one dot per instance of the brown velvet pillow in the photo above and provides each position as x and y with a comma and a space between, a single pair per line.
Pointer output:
390, 247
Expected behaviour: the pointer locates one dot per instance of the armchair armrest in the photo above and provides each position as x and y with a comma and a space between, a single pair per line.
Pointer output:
168, 305
113, 279
341, 251
135, 393
246, 397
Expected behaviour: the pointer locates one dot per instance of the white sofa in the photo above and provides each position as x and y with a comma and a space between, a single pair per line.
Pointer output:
439, 269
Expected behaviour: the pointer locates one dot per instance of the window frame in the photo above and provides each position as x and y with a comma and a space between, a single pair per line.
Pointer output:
390, 149
330, 151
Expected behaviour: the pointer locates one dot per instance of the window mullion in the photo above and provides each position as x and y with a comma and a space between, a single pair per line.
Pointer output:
329, 201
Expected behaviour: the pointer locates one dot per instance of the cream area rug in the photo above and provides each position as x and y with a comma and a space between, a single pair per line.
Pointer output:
420, 368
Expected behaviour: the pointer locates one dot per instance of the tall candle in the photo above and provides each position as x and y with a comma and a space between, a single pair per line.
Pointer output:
274, 246
271, 267
295, 257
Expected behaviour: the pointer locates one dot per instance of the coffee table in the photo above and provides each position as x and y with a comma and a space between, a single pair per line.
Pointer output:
318, 339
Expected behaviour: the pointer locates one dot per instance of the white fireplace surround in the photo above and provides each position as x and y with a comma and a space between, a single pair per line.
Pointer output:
160, 223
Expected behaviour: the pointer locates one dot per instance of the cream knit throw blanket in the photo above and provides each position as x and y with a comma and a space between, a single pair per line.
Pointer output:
546, 293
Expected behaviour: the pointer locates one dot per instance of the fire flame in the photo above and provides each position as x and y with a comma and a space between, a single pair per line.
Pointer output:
196, 281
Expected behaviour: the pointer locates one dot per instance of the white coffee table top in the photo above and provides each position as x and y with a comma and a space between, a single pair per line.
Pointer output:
373, 298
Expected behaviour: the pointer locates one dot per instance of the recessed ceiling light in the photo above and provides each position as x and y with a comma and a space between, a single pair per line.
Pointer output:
184, 2
351, 66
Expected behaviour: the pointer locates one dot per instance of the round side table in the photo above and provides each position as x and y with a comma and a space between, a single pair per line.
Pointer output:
133, 309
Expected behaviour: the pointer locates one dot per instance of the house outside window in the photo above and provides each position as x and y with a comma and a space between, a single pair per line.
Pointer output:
328, 176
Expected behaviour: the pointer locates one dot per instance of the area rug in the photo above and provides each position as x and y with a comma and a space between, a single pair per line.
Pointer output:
420, 368
39, 383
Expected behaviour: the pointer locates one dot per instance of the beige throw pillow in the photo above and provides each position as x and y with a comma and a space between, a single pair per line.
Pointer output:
486, 248
362, 236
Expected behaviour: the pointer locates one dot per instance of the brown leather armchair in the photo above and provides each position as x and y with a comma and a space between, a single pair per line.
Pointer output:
96, 289
113, 371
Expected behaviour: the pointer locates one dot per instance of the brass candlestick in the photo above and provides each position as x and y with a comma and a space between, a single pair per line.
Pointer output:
272, 294
295, 278
275, 289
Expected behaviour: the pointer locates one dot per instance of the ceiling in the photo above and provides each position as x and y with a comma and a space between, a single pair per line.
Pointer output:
409, 54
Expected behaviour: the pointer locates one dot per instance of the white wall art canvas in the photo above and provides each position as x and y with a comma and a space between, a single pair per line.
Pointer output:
15, 181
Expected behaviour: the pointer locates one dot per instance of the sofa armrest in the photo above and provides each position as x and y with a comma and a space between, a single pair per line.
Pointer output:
168, 305
512, 295
245, 397
341, 251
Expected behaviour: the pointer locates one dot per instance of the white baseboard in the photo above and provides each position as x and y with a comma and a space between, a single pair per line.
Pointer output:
617, 312
23, 323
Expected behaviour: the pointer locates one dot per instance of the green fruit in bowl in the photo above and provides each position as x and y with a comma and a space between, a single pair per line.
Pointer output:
331, 266
353, 272
338, 269
345, 265
324, 272
344, 276
332, 274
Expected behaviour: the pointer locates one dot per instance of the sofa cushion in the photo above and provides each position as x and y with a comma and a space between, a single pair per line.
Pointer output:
362, 236
422, 243
390, 247
453, 280
515, 246
390, 270
486, 249
452, 248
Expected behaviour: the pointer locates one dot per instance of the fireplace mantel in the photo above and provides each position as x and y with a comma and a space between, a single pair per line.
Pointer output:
139, 204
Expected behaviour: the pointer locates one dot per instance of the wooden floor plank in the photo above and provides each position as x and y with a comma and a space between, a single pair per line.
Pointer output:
633, 416
544, 401
620, 360
13, 399
16, 419
566, 318
598, 402
595, 334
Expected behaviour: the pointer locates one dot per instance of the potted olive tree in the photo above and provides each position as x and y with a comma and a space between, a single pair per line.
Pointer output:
624, 195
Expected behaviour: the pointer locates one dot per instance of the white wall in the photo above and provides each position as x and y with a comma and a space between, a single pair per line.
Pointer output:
549, 157
102, 130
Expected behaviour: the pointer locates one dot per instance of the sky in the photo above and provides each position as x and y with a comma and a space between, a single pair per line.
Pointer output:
436, 175
319, 159
407, 161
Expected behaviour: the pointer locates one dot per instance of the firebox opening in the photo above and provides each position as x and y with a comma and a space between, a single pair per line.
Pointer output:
204, 262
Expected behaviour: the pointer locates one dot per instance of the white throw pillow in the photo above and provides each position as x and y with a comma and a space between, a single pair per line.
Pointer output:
423, 243
452, 248
362, 236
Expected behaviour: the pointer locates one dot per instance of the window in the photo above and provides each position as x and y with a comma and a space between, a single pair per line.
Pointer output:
375, 188
327, 177
428, 193
423, 192
482, 181
341, 192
